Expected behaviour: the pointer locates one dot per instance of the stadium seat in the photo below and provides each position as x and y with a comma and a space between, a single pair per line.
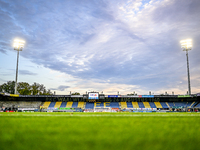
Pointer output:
106, 104
152, 104
164, 105
189, 104
146, 105
197, 106
171, 104
123, 105
52, 104
158, 105
46, 104
81, 105
63, 104
69, 104
112, 104
129, 105
193, 104
141, 105
89, 105
98, 104
57, 105
75, 105
135, 104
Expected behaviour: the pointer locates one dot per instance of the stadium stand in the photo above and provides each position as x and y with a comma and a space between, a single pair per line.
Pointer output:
112, 104
123, 105
141, 105
189, 104
146, 105
197, 106
52, 104
81, 105
69, 104
171, 104
163, 102
193, 104
135, 104
167, 104
57, 105
152, 104
129, 105
106, 104
89, 105
164, 105
158, 105
46, 104
75, 105
64, 104
21, 104
98, 104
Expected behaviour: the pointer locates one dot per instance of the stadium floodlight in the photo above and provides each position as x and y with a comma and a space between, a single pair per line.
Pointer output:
186, 45
18, 46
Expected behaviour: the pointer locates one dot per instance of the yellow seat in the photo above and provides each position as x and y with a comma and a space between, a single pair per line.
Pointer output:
46, 104
158, 104
135, 104
57, 105
81, 104
123, 105
146, 105
69, 104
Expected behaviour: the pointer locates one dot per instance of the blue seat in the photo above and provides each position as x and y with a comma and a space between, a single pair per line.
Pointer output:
89, 105
114, 105
152, 104
180, 104
164, 105
194, 104
171, 104
52, 104
141, 105
129, 104
63, 104
75, 105
99, 104
198, 106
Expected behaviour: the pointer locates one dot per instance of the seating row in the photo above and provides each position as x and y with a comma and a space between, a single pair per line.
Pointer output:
88, 105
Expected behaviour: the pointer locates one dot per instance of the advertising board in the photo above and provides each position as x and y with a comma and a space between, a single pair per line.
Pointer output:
93, 95
147, 96
113, 96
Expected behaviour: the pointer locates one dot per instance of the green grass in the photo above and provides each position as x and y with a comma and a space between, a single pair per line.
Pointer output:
99, 131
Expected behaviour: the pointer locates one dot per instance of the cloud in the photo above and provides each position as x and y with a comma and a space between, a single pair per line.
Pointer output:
2, 51
26, 72
61, 88
126, 42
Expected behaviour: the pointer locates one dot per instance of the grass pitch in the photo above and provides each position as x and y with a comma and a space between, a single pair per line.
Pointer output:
85, 131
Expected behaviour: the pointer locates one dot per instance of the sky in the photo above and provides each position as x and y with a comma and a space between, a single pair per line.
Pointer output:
101, 45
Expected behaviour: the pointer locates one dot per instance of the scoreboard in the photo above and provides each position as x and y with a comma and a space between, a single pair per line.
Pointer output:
93, 95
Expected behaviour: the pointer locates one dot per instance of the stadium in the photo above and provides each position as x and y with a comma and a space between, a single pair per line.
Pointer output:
92, 49
95, 102
98, 121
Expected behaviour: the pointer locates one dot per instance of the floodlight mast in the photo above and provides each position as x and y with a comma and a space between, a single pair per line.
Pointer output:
186, 45
18, 46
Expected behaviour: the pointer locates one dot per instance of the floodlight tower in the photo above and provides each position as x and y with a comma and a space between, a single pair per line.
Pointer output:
186, 45
18, 46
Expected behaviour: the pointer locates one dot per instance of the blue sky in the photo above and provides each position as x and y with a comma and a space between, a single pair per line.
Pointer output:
109, 46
